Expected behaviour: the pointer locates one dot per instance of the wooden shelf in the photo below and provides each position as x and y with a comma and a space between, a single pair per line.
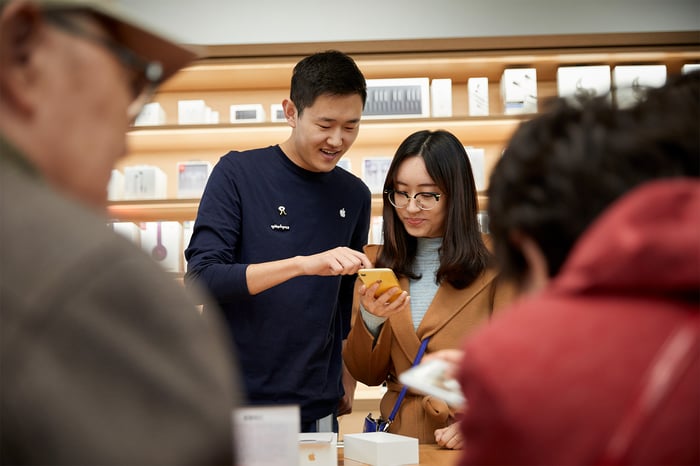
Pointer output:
226, 137
260, 73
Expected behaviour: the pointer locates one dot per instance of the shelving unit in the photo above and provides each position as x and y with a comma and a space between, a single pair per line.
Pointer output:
261, 74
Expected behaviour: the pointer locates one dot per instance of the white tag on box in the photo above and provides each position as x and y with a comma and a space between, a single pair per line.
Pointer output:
583, 82
441, 97
163, 242
477, 161
632, 81
478, 89
519, 90
277, 113
381, 448
318, 449
690, 67
267, 435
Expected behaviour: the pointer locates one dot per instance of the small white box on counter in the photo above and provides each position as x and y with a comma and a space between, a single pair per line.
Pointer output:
441, 97
381, 448
583, 82
632, 81
318, 449
163, 242
478, 89
519, 90
144, 182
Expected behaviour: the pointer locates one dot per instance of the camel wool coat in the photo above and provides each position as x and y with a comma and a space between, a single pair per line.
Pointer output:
451, 316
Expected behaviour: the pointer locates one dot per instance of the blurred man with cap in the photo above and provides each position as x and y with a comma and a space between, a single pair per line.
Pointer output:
104, 359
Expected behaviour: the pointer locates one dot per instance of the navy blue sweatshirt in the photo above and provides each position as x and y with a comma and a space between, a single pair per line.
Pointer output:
257, 207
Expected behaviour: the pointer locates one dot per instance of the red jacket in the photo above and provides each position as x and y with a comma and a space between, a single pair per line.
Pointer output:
550, 380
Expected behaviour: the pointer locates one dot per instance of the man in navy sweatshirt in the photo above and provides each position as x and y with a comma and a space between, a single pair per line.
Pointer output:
278, 240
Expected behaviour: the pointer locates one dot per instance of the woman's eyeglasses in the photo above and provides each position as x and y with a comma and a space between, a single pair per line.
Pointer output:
401, 199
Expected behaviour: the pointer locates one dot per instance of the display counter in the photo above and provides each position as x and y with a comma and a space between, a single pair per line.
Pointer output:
429, 455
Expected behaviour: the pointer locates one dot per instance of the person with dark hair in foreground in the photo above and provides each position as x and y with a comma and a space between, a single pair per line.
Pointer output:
595, 213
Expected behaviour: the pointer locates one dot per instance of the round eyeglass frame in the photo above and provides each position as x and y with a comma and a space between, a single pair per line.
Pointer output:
418, 197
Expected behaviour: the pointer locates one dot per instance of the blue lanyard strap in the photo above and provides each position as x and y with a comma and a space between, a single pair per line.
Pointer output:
419, 356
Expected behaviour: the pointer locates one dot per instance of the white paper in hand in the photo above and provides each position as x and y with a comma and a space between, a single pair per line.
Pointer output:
429, 378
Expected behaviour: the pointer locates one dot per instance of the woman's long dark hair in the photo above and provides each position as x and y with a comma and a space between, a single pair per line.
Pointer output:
463, 255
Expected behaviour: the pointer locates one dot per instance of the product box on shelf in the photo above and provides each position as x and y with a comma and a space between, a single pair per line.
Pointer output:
128, 230
163, 242
151, 114
381, 448
477, 161
441, 97
632, 81
318, 449
397, 98
195, 112
478, 92
690, 67
277, 113
115, 187
144, 182
519, 90
248, 113
192, 177
582, 82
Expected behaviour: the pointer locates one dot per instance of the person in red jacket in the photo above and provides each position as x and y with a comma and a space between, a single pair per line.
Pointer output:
595, 214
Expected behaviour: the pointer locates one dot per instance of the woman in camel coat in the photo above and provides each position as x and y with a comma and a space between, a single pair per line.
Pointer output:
433, 244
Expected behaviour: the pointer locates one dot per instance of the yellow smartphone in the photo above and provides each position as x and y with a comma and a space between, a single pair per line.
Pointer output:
386, 278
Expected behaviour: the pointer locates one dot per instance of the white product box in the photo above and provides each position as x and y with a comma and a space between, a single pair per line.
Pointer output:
632, 81
381, 448
250, 113
115, 187
376, 230
478, 90
192, 177
441, 97
690, 67
144, 182
128, 230
397, 98
318, 449
266, 435
151, 114
581, 82
519, 90
187, 229
192, 112
277, 113
477, 160
163, 242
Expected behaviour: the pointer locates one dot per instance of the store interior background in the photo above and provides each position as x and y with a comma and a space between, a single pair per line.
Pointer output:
317, 25
280, 21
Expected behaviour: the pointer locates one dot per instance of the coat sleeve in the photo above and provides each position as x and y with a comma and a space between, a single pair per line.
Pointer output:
367, 358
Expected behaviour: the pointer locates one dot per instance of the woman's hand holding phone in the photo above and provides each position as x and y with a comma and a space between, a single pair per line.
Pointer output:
381, 293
